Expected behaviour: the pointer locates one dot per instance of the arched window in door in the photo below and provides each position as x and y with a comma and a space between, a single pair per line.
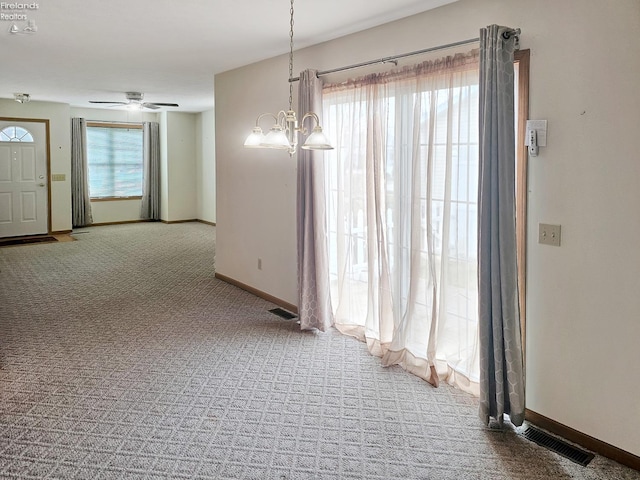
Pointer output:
15, 134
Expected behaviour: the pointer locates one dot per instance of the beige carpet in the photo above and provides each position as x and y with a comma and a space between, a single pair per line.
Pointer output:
122, 357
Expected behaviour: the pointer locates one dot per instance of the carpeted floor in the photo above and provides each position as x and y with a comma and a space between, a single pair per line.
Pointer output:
122, 357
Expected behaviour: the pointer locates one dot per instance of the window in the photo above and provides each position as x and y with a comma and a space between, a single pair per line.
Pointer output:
402, 188
115, 160
15, 134
402, 209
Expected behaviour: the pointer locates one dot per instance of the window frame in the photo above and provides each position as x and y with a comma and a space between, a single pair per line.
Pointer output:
27, 137
521, 59
118, 125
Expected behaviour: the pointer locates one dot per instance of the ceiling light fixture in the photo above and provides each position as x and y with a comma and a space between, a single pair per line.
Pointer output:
22, 97
284, 132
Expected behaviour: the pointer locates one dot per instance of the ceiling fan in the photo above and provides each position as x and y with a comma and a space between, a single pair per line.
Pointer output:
135, 100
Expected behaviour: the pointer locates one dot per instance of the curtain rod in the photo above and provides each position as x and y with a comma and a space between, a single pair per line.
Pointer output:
124, 122
394, 58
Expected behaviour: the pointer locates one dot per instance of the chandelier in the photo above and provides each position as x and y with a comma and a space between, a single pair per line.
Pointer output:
284, 132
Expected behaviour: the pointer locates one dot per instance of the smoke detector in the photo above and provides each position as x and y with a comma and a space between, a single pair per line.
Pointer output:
22, 97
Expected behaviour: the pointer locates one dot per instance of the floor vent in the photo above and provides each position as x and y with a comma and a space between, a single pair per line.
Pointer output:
283, 313
577, 455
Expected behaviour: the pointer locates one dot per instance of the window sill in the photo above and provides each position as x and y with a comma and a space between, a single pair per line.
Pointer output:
113, 199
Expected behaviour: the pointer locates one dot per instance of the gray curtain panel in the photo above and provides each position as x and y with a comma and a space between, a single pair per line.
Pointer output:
501, 362
150, 206
80, 203
314, 301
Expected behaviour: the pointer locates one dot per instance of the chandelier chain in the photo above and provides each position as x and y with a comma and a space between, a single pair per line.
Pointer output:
291, 57
285, 131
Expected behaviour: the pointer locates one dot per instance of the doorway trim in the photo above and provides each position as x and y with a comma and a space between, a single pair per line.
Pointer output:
47, 160
521, 57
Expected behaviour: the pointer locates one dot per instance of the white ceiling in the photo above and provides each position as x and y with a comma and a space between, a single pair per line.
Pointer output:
169, 50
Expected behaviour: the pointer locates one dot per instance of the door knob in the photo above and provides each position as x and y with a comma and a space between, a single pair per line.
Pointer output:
41, 185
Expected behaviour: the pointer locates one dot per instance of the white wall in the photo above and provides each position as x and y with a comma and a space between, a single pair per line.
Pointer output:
115, 211
178, 170
60, 150
114, 115
206, 166
104, 211
582, 303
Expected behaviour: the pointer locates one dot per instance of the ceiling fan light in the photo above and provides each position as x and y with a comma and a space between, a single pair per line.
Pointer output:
134, 96
255, 138
276, 138
134, 102
317, 140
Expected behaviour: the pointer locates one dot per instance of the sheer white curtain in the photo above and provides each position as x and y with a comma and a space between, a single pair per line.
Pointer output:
402, 215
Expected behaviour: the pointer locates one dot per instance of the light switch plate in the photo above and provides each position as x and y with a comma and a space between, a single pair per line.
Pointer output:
58, 177
540, 126
549, 234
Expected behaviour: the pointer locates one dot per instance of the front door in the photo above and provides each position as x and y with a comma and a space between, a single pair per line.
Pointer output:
24, 185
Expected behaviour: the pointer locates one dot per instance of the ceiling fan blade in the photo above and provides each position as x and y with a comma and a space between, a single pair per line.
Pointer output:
135, 99
158, 104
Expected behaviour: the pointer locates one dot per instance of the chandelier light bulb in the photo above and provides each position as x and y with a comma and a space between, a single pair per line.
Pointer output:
276, 138
317, 140
255, 139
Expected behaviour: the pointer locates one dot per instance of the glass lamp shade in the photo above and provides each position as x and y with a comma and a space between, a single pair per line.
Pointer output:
276, 138
317, 140
255, 139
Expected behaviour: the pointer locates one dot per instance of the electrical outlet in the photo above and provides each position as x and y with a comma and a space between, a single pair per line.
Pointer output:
549, 234
259, 264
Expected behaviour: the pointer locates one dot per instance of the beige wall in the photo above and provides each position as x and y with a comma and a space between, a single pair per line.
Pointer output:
256, 189
206, 166
178, 154
583, 326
